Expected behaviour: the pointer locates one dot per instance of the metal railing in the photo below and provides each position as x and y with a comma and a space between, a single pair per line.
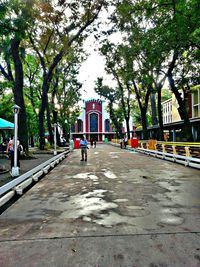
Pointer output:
185, 160
8, 190
179, 152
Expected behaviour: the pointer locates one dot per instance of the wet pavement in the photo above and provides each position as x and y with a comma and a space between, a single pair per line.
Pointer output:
120, 209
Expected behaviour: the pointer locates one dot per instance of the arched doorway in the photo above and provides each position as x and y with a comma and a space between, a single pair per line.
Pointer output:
94, 122
94, 128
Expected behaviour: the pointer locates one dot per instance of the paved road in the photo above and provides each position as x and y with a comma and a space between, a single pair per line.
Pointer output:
120, 209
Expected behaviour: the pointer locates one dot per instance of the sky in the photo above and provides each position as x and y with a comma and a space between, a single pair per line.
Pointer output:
93, 66
91, 69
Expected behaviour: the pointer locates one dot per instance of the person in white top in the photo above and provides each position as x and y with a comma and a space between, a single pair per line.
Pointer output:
125, 141
84, 147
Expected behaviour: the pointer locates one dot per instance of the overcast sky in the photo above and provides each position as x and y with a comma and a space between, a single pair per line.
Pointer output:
93, 67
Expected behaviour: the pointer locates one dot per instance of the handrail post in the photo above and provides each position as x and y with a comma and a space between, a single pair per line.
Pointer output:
163, 148
187, 151
174, 150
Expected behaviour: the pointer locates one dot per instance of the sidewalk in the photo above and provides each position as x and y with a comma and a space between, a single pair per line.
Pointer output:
25, 165
119, 209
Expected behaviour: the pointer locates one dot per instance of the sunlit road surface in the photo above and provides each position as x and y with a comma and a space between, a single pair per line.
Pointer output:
119, 209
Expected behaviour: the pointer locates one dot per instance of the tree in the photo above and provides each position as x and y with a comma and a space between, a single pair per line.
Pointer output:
112, 96
159, 34
116, 66
56, 40
15, 20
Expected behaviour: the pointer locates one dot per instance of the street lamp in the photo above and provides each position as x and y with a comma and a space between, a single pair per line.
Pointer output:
15, 169
55, 152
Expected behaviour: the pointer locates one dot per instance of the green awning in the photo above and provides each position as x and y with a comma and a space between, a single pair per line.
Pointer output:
6, 125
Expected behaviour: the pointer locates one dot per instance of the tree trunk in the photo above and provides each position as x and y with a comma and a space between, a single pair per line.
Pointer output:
153, 109
49, 124
160, 115
182, 109
41, 117
114, 119
18, 93
144, 123
127, 126
32, 141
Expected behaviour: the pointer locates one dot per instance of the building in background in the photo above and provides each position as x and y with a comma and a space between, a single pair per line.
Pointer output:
93, 122
172, 121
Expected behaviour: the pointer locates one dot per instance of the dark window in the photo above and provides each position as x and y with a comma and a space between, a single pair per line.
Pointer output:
80, 124
107, 125
93, 122
73, 128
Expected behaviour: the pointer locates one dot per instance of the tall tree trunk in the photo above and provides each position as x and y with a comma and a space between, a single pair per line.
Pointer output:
182, 109
127, 126
144, 123
49, 124
114, 119
41, 116
143, 107
153, 109
160, 115
18, 93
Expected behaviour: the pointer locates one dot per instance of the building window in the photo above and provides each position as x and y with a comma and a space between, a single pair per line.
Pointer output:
107, 125
73, 128
93, 122
196, 104
80, 125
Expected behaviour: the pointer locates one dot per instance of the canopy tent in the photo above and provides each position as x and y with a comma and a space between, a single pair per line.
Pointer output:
6, 125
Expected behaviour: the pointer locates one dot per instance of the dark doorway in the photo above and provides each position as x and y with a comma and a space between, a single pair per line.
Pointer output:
93, 122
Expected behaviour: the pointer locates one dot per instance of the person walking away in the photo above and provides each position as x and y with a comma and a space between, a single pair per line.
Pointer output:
125, 141
91, 142
83, 145
95, 143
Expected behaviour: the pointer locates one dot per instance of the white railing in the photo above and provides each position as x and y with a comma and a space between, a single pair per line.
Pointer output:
17, 185
187, 161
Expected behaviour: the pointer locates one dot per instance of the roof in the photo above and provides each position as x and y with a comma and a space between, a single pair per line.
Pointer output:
4, 125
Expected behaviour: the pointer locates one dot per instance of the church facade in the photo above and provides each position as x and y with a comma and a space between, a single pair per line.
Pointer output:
93, 122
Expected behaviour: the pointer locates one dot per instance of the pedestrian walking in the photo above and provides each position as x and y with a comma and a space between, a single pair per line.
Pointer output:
125, 142
84, 147
91, 142
95, 143
121, 142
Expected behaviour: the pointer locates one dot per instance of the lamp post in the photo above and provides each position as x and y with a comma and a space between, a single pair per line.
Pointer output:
15, 169
55, 152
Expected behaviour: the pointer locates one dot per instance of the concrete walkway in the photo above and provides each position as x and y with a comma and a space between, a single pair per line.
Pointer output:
120, 209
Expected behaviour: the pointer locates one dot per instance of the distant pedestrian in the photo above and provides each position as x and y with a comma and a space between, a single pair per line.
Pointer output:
95, 143
91, 142
3, 145
125, 141
84, 147
121, 142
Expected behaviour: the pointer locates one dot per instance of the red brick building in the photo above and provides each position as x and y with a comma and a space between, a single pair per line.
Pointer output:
93, 122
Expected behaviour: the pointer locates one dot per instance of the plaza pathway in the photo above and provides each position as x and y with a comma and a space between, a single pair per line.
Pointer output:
119, 209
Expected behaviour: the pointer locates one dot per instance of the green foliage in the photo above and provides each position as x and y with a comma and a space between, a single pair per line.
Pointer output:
6, 104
